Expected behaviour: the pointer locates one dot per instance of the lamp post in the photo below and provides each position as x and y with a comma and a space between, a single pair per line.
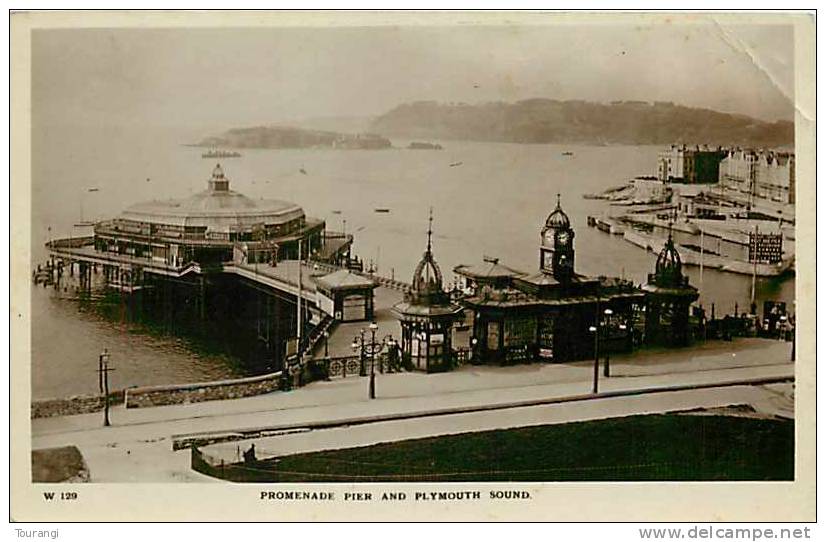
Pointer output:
103, 371
794, 327
372, 350
103, 356
606, 325
373, 327
595, 331
362, 368
326, 344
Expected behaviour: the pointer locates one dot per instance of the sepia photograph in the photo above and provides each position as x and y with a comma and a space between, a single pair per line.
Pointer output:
412, 265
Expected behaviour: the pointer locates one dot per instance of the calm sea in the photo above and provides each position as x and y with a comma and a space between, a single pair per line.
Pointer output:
488, 199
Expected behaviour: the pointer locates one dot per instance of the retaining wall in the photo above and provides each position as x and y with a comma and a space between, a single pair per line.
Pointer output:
148, 396
78, 404
176, 394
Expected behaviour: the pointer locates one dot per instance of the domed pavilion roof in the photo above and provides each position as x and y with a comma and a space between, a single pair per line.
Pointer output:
558, 219
427, 297
217, 208
668, 272
669, 262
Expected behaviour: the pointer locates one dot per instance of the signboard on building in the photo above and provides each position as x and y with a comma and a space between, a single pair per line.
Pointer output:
765, 247
325, 304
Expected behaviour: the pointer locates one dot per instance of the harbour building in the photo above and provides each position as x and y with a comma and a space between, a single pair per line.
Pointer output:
683, 164
759, 175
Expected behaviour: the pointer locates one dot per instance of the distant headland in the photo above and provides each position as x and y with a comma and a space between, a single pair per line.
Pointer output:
538, 120
544, 120
288, 137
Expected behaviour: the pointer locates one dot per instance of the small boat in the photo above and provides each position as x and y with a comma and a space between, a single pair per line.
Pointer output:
381, 210
454, 164
567, 153
302, 171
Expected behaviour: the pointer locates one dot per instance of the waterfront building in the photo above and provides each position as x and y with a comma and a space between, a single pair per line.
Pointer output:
243, 270
759, 175
682, 164
668, 300
428, 317
206, 228
547, 315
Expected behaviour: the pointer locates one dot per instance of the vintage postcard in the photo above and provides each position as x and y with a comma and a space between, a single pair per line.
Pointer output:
412, 266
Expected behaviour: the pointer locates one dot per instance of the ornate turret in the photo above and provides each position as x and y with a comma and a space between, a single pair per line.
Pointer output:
668, 272
218, 183
668, 299
556, 252
426, 315
557, 219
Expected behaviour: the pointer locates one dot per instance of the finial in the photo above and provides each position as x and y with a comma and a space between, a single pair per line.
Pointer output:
429, 228
558, 204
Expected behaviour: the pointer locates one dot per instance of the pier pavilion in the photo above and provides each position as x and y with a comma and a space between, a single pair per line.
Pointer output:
220, 256
554, 314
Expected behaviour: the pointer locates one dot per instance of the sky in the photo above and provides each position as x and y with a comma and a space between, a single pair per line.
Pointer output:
243, 76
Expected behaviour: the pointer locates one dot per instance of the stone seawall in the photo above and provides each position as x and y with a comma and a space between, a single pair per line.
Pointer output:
149, 396
175, 394
78, 404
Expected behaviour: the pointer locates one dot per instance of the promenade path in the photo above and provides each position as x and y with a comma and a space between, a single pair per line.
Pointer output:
137, 447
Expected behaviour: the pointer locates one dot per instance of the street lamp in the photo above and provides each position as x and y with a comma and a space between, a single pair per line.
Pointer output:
326, 344
103, 371
372, 350
372, 391
102, 358
362, 367
595, 331
793, 321
606, 326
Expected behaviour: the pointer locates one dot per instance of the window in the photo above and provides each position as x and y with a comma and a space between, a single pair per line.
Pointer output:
493, 335
546, 338
520, 331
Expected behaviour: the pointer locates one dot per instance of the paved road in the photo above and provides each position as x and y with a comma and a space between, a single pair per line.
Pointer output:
138, 445
770, 398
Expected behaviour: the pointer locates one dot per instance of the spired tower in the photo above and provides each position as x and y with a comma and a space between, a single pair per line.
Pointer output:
556, 250
426, 316
668, 299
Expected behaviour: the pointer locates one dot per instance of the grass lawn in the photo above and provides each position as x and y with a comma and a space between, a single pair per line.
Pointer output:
651, 447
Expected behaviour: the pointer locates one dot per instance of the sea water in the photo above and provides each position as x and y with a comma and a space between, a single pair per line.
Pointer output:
488, 200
